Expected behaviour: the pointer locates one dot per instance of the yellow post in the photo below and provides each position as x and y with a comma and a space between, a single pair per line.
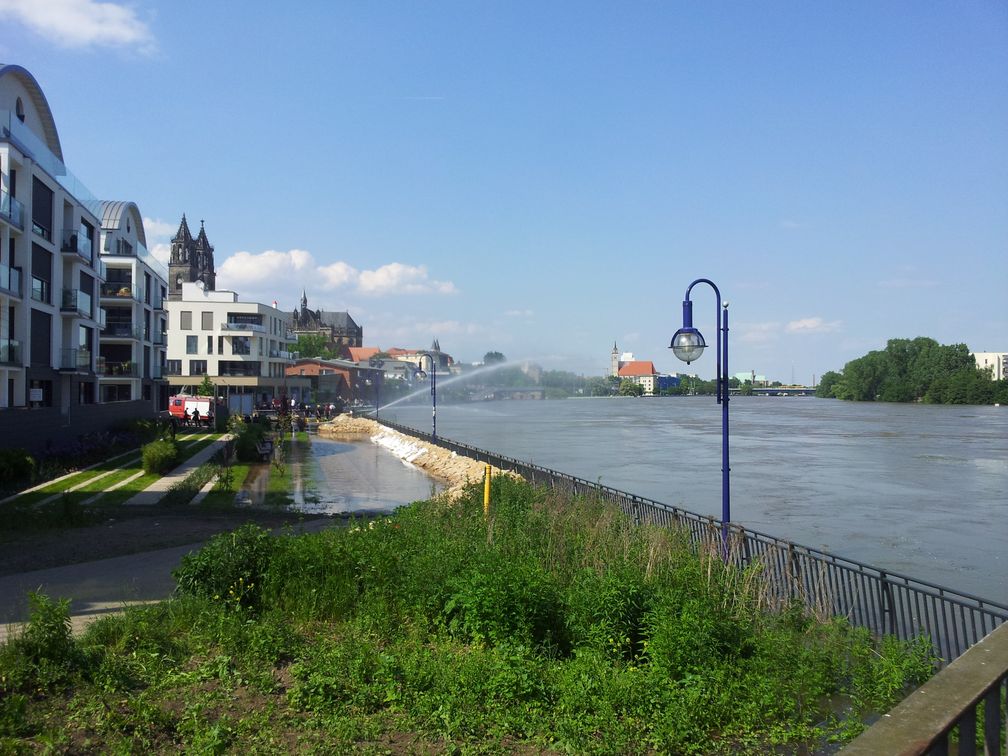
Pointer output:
486, 492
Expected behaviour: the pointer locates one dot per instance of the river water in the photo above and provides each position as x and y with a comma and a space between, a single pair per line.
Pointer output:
921, 490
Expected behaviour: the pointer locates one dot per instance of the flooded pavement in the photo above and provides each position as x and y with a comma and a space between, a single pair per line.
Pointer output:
359, 476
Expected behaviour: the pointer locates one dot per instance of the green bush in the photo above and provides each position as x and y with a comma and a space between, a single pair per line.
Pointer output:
16, 466
44, 655
248, 437
159, 456
230, 568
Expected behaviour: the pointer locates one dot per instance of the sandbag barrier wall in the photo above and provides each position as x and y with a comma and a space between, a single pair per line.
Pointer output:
827, 584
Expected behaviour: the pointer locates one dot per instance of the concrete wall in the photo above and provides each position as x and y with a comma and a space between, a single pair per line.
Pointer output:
47, 427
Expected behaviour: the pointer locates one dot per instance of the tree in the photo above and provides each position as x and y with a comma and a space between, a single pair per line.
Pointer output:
827, 383
206, 388
628, 387
314, 345
493, 358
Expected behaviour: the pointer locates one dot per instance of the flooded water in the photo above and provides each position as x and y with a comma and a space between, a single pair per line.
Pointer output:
361, 477
921, 490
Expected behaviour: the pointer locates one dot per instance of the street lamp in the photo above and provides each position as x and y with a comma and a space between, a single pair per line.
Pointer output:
433, 387
688, 344
377, 364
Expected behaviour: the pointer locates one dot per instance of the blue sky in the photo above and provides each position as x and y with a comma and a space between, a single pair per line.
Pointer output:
544, 179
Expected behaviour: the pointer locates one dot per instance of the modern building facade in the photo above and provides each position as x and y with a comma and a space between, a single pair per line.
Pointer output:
134, 339
996, 363
50, 268
243, 347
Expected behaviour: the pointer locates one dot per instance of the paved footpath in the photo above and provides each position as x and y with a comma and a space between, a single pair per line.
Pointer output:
104, 586
107, 586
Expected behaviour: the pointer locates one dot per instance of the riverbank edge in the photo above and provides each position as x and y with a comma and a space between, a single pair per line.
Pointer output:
454, 470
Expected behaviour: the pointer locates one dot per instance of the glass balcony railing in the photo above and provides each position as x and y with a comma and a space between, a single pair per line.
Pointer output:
75, 359
11, 210
75, 242
12, 128
120, 290
281, 354
76, 301
121, 330
10, 352
10, 280
160, 339
100, 316
156, 371
236, 326
120, 368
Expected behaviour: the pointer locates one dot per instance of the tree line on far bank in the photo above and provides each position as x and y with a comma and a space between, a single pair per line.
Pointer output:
915, 370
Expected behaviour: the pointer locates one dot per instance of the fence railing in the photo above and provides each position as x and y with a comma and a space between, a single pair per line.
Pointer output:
869, 597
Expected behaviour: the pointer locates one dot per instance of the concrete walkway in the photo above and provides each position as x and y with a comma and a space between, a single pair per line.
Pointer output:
104, 586
153, 493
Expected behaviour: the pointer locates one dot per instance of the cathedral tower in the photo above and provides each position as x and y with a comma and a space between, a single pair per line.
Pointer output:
191, 260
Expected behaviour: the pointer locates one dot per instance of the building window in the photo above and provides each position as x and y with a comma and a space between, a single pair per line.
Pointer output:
241, 345
42, 209
197, 367
173, 367
209, 344
207, 321
191, 345
19, 110
185, 320
40, 290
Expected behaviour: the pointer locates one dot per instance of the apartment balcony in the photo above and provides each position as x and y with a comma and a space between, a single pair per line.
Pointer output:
75, 360
119, 369
157, 372
122, 330
160, 339
249, 327
10, 352
279, 354
77, 302
76, 243
239, 369
120, 291
11, 210
10, 281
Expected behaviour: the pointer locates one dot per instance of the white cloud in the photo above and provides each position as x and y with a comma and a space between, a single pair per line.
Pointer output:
82, 23
519, 313
812, 325
758, 333
247, 271
397, 278
155, 228
161, 251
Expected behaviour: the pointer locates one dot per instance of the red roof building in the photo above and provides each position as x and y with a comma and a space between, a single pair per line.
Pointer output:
641, 372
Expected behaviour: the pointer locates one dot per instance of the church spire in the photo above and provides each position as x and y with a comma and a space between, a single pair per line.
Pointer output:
182, 235
304, 300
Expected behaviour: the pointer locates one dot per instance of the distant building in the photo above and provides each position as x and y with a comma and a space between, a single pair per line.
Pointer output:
641, 372
244, 347
443, 360
337, 328
994, 362
757, 380
191, 260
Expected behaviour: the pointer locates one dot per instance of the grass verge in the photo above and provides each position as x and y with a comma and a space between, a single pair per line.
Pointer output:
556, 625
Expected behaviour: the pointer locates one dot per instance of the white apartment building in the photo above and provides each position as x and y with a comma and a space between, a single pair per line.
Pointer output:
133, 342
50, 269
244, 347
995, 362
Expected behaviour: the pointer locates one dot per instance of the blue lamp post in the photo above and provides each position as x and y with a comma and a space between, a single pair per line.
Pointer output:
377, 364
688, 344
433, 387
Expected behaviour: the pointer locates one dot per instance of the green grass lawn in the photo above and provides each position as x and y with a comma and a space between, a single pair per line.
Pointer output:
558, 626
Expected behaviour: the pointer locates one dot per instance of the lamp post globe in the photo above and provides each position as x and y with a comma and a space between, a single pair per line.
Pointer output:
688, 344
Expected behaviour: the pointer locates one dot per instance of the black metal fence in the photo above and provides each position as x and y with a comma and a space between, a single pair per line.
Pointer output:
869, 597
